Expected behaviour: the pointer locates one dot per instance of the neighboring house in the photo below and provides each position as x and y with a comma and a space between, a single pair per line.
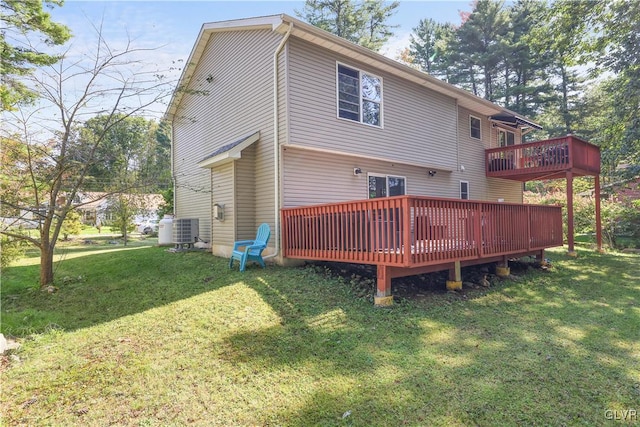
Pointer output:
624, 191
342, 123
98, 205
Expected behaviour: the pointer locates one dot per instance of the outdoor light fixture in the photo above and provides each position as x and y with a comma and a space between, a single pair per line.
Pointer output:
432, 173
357, 171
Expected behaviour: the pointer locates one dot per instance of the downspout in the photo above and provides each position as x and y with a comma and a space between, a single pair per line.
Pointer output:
276, 145
457, 137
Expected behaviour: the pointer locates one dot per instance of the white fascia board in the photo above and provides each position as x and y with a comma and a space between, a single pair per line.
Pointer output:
261, 22
234, 153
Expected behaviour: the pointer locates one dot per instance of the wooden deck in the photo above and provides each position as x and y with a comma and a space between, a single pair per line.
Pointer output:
547, 159
408, 235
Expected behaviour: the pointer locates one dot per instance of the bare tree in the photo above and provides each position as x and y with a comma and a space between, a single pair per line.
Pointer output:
52, 162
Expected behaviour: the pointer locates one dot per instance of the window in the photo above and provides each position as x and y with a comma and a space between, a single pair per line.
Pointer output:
474, 125
359, 96
464, 190
506, 138
386, 185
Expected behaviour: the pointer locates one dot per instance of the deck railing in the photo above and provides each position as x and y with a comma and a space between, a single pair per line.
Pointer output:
413, 231
544, 157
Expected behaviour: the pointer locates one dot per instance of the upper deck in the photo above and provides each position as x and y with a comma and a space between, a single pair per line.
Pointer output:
547, 159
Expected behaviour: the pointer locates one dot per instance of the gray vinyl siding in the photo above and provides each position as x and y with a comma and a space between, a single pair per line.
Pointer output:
312, 177
222, 178
230, 96
419, 124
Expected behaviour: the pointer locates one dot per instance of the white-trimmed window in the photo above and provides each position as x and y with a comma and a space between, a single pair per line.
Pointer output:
386, 185
506, 138
464, 190
475, 127
359, 95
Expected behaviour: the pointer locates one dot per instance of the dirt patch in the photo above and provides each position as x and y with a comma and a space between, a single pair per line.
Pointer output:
362, 278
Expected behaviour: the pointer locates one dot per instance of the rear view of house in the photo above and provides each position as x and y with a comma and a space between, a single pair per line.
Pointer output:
275, 114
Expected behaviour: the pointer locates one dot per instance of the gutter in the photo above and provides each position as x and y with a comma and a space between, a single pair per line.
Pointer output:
276, 145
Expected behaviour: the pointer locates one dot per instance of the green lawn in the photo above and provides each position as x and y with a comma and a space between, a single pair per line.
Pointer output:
144, 337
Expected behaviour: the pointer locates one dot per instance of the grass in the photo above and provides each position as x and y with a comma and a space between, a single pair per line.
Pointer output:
144, 337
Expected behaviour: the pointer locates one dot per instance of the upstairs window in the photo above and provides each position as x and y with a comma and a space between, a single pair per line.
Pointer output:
359, 96
506, 138
474, 125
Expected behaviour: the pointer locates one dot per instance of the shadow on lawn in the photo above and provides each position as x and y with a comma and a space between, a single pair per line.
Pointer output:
555, 346
110, 285
541, 349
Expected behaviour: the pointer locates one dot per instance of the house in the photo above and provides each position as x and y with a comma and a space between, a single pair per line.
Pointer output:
98, 207
274, 113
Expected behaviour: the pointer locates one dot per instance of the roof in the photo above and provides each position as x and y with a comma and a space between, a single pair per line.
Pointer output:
229, 151
513, 120
92, 200
302, 30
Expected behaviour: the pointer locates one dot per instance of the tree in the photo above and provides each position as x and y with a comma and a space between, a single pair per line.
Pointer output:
166, 208
23, 20
71, 224
155, 168
620, 42
123, 207
122, 153
110, 83
525, 84
363, 23
428, 48
481, 41
568, 29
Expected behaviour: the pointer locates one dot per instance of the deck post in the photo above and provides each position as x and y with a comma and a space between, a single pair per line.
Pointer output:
383, 296
455, 277
598, 214
502, 269
572, 251
540, 257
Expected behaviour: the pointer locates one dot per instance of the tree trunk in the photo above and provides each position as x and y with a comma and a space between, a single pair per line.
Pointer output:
46, 266
564, 108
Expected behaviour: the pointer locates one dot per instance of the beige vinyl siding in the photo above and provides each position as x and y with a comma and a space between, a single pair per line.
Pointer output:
472, 157
222, 178
312, 177
192, 185
471, 152
510, 191
245, 202
230, 96
419, 124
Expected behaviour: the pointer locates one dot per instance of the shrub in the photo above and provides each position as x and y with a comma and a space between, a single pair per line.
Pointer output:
10, 250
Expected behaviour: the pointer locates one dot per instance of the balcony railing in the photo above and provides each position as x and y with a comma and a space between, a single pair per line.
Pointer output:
410, 231
543, 159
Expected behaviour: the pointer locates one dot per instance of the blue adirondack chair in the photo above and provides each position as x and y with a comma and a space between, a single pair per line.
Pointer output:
252, 248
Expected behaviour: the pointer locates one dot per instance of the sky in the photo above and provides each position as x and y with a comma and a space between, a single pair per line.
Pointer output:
170, 29
174, 25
